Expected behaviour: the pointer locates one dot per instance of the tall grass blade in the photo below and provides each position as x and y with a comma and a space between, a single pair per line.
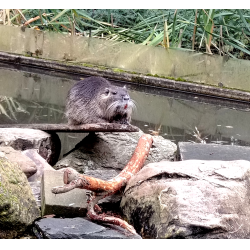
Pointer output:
157, 39
173, 27
17, 15
149, 37
59, 15
243, 19
165, 37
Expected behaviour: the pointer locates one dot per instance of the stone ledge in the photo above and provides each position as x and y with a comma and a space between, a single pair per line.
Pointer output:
198, 151
74, 68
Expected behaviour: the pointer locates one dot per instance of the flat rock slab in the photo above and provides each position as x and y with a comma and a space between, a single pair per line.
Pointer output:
198, 151
70, 204
98, 127
25, 163
78, 228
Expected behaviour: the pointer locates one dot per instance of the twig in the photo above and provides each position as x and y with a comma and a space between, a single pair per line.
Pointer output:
33, 19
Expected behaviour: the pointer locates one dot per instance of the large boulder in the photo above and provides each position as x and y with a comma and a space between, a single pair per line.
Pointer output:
48, 145
104, 155
190, 199
18, 208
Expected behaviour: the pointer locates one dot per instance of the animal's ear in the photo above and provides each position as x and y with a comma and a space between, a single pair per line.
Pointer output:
125, 87
106, 90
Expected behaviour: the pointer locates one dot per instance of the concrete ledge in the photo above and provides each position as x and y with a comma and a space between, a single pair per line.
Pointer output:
70, 204
74, 68
197, 151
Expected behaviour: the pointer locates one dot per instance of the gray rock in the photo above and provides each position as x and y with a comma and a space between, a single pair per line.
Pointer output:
110, 152
78, 228
190, 199
39, 161
198, 151
70, 204
48, 145
24, 162
18, 207
104, 155
35, 179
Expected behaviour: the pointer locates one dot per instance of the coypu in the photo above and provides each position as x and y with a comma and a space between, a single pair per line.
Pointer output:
95, 100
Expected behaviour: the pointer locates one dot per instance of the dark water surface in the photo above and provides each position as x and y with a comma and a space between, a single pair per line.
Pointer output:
31, 95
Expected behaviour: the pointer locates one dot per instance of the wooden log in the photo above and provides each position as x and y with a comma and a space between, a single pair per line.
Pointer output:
98, 127
102, 188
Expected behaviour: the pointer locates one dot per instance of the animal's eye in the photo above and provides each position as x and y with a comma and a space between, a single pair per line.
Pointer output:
114, 92
106, 91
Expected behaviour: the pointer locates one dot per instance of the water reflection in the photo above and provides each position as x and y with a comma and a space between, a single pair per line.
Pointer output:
16, 110
38, 96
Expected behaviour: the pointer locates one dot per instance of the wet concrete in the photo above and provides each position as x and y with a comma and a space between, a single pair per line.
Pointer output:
198, 151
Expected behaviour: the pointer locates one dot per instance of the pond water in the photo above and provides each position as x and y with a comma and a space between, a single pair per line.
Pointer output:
31, 95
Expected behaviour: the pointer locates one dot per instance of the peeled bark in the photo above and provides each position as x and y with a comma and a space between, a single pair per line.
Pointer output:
102, 188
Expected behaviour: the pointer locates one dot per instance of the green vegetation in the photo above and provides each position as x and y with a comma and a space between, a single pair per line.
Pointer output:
220, 31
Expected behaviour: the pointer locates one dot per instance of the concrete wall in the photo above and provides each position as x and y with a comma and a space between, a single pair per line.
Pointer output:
195, 67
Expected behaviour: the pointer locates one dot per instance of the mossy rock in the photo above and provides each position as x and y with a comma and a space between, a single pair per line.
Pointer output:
18, 207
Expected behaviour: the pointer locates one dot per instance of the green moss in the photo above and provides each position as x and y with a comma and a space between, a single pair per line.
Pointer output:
170, 78
28, 54
118, 70
139, 80
102, 67
87, 65
181, 79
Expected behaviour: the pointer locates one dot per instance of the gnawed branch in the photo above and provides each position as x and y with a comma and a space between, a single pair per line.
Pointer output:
102, 188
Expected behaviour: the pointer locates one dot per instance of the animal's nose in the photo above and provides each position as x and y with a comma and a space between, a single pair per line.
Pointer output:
126, 97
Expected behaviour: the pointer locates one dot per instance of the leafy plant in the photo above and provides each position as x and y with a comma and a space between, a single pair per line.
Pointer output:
215, 31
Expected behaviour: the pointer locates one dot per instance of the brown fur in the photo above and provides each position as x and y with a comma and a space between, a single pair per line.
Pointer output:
95, 100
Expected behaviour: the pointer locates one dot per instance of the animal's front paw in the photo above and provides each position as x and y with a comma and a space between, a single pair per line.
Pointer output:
124, 122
